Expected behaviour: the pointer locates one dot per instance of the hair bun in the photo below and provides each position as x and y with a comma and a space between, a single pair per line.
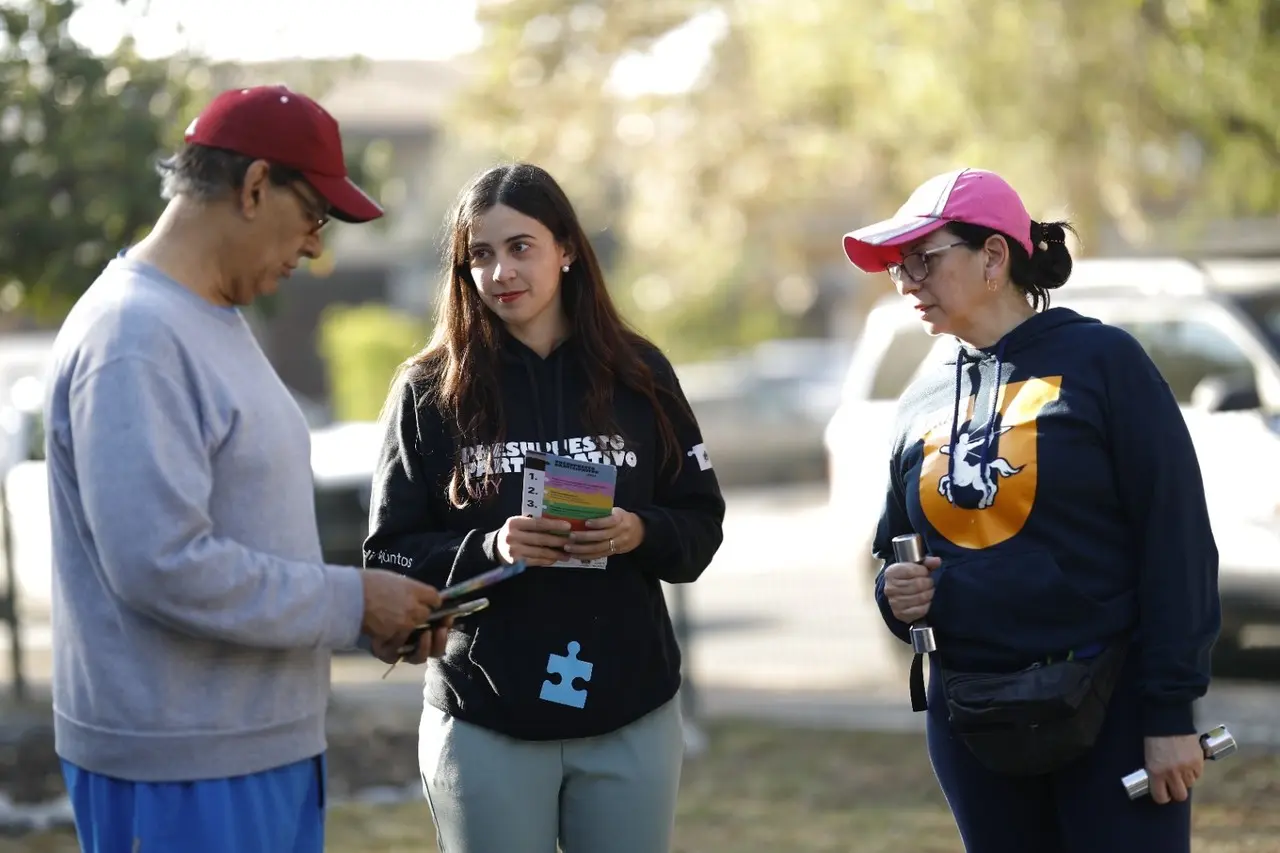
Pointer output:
1047, 232
1050, 256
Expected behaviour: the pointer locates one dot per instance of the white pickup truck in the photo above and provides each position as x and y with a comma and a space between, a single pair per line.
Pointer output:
1213, 330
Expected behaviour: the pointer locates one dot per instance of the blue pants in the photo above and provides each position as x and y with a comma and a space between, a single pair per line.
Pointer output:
1081, 808
276, 811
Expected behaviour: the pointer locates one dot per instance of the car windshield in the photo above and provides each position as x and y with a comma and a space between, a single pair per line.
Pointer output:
1264, 310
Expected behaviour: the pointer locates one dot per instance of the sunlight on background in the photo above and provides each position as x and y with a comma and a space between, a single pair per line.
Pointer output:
257, 31
674, 63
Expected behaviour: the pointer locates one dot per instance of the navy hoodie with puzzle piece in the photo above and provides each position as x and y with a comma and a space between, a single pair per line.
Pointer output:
497, 660
1054, 476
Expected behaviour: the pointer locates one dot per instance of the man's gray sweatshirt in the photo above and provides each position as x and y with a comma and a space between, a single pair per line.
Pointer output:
193, 615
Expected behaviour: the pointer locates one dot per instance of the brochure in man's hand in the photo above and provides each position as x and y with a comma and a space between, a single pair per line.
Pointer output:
571, 490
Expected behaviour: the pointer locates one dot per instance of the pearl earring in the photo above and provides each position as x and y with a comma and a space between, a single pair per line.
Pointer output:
564, 268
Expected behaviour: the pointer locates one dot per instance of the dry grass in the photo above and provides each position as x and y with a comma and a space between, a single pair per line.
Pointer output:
764, 788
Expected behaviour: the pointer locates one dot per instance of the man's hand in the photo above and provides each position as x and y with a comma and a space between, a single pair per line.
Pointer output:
430, 645
1173, 766
394, 605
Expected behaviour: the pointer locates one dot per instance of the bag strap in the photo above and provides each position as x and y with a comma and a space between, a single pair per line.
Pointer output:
919, 696
909, 548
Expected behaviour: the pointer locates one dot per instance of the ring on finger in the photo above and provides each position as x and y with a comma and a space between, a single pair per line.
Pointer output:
612, 548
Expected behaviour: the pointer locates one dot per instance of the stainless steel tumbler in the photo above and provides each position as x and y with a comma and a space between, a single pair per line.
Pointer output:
1217, 743
909, 548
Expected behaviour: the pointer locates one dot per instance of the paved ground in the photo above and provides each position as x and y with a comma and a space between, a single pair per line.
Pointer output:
785, 629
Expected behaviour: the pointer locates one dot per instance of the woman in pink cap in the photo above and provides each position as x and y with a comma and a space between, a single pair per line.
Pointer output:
1071, 576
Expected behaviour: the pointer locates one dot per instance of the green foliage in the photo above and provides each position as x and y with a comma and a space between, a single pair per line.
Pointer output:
814, 116
79, 138
79, 135
362, 346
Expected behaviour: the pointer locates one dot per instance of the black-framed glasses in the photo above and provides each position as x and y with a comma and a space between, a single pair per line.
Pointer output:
317, 212
916, 264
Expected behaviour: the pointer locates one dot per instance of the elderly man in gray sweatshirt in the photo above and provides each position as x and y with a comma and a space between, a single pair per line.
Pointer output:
194, 616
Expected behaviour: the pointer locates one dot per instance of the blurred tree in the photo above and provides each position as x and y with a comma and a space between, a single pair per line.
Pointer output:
812, 116
79, 137
362, 346
79, 134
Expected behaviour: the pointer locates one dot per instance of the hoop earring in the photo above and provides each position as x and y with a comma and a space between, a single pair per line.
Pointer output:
992, 285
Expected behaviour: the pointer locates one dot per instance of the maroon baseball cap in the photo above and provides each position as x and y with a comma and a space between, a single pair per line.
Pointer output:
975, 196
288, 129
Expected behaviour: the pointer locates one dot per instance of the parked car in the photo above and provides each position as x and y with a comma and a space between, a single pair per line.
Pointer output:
762, 412
1212, 327
343, 455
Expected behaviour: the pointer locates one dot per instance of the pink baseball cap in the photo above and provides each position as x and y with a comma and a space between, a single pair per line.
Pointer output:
975, 196
288, 129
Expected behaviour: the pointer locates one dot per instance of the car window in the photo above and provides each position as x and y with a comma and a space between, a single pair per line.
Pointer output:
900, 362
1186, 352
1263, 309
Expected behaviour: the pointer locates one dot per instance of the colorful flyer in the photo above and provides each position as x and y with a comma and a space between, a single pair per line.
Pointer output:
571, 490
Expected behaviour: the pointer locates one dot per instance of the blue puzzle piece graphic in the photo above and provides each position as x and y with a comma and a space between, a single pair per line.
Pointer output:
568, 668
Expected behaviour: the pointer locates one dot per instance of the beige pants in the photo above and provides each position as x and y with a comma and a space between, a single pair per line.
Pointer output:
610, 794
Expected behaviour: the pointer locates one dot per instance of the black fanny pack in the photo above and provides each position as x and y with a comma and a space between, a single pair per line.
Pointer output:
1032, 721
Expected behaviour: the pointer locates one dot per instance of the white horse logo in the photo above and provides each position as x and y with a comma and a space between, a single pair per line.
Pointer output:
965, 473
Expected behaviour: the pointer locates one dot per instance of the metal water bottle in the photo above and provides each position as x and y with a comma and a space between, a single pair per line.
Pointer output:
1217, 743
909, 548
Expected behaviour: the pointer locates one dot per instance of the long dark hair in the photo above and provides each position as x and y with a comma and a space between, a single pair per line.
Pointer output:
461, 361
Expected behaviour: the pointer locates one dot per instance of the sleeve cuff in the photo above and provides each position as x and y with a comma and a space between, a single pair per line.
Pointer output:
658, 534
896, 626
346, 607
1164, 720
490, 547
476, 554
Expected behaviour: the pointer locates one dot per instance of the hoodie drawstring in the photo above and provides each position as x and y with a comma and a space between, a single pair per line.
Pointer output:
988, 451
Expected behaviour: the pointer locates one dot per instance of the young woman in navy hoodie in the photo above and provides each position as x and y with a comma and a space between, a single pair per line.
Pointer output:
529, 353
1050, 474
